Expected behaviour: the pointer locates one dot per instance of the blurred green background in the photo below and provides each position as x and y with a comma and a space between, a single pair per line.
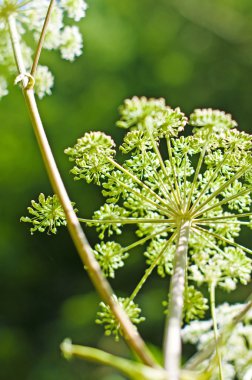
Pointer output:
195, 53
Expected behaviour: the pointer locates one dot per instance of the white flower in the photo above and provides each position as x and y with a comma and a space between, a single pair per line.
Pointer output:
3, 87
75, 9
30, 17
71, 43
43, 81
236, 353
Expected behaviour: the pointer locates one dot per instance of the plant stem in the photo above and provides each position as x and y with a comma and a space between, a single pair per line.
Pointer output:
128, 221
229, 199
84, 250
140, 183
195, 178
151, 267
172, 340
237, 175
173, 167
163, 187
224, 217
140, 195
230, 242
212, 304
131, 369
147, 125
42, 38
211, 179
146, 238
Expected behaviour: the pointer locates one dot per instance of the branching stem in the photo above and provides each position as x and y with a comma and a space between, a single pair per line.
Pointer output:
211, 179
140, 183
42, 38
151, 267
237, 175
224, 217
174, 171
85, 252
225, 240
128, 221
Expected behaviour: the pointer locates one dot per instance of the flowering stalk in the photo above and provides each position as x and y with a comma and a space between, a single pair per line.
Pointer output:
172, 342
42, 38
101, 284
213, 313
134, 371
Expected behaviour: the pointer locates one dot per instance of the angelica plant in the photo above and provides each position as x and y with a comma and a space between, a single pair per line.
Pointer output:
188, 205
188, 195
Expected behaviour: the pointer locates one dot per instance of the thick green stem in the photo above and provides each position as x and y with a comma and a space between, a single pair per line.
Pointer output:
131, 369
84, 250
172, 341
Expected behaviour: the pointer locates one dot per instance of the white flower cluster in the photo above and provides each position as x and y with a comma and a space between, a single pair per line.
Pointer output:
30, 16
236, 353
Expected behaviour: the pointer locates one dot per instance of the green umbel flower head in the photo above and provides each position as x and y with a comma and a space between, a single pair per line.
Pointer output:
204, 177
47, 214
111, 325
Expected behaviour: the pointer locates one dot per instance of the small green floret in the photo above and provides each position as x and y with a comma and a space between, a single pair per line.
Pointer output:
195, 304
111, 326
90, 155
110, 256
47, 214
108, 213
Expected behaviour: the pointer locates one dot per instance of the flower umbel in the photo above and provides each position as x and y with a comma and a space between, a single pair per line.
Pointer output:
111, 326
47, 214
204, 178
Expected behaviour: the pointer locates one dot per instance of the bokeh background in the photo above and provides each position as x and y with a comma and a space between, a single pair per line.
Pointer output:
195, 53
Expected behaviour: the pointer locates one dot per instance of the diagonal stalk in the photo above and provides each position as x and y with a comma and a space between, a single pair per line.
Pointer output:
213, 314
132, 369
146, 238
141, 196
140, 183
238, 222
84, 250
212, 178
224, 217
151, 267
163, 188
160, 159
229, 199
172, 339
128, 221
237, 175
195, 178
225, 240
173, 167
42, 38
